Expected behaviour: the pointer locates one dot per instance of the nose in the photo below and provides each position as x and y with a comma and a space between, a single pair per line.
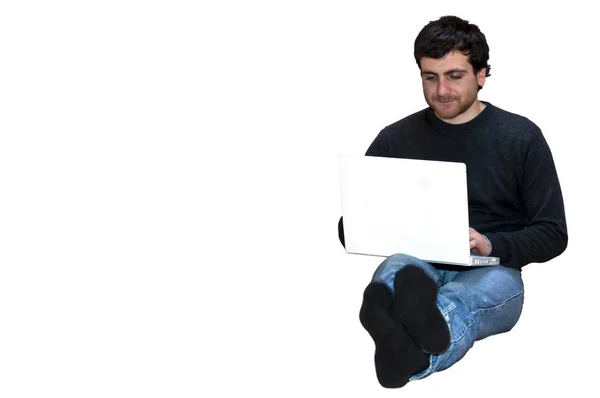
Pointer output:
443, 88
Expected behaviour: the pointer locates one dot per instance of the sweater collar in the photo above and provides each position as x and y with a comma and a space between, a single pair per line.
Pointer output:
438, 124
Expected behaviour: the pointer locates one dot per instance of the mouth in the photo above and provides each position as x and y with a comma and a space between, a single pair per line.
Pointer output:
445, 101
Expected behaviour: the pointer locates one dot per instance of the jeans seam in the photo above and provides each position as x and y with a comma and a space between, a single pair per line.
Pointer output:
459, 338
483, 309
439, 364
466, 328
498, 305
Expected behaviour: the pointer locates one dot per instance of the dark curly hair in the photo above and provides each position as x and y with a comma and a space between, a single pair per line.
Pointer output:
449, 34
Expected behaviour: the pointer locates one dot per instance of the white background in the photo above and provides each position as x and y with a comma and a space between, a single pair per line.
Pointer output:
169, 196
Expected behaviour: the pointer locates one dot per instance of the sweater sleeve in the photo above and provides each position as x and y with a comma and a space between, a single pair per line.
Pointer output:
379, 146
545, 235
341, 232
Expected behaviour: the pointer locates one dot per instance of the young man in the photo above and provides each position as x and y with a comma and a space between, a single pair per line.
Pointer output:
424, 317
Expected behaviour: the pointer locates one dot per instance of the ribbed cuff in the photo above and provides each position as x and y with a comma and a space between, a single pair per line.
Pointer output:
498, 247
491, 247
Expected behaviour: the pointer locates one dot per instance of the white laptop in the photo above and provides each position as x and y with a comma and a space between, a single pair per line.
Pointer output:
415, 207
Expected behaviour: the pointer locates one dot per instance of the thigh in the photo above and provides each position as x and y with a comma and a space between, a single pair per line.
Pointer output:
491, 285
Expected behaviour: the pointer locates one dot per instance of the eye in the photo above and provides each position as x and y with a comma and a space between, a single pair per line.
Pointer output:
429, 77
455, 77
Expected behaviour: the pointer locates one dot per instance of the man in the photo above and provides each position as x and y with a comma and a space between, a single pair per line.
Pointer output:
422, 317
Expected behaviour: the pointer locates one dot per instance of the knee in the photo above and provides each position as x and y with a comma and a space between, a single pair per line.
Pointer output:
504, 301
388, 268
397, 261
401, 259
392, 264
508, 314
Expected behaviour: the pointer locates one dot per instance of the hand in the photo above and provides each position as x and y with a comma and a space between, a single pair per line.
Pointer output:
479, 244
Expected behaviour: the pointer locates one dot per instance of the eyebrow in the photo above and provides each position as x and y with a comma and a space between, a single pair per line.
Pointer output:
451, 71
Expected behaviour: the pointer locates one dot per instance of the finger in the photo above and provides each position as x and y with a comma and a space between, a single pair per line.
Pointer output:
473, 244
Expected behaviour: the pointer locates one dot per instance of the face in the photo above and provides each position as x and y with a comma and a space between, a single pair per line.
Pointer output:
450, 87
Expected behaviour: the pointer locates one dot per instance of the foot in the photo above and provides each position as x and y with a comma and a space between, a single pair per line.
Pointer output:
415, 302
397, 357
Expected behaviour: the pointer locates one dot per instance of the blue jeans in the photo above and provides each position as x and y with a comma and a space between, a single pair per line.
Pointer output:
476, 303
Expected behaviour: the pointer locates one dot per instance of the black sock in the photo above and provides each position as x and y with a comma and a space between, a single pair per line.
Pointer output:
415, 296
397, 357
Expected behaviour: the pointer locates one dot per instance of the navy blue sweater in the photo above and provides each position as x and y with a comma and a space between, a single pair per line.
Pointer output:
515, 197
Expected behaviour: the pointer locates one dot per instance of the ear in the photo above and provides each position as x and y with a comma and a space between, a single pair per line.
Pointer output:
481, 76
